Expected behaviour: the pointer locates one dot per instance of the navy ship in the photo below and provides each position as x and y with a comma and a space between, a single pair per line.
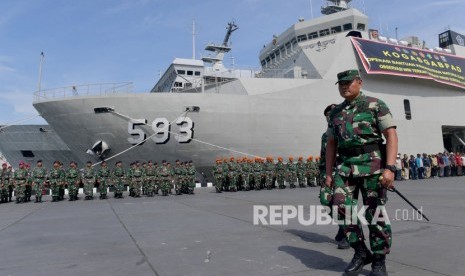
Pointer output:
200, 110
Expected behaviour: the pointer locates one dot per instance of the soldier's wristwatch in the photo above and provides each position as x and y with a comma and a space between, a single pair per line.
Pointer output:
392, 168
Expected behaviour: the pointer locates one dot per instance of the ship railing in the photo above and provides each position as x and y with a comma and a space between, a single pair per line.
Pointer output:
96, 89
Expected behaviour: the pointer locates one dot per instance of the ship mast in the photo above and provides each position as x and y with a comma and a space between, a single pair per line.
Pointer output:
220, 50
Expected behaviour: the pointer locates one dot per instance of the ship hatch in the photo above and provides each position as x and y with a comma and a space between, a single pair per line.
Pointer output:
454, 138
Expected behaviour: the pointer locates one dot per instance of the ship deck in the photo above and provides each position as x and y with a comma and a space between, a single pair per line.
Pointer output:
213, 234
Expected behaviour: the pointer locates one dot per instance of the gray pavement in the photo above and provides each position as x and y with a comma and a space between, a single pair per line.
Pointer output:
213, 234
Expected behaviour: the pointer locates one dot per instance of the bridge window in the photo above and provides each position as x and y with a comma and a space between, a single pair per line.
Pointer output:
324, 32
347, 26
27, 153
361, 27
301, 38
197, 73
313, 35
181, 72
336, 29
190, 73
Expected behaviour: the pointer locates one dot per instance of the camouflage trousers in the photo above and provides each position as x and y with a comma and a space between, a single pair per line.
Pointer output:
346, 190
165, 186
280, 180
103, 186
55, 187
312, 179
89, 187
150, 185
38, 186
19, 191
136, 186
118, 186
291, 178
190, 184
269, 179
218, 183
4, 191
301, 179
257, 179
73, 187
232, 181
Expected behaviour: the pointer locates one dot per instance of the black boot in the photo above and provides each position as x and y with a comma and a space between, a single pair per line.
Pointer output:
9, 199
361, 258
37, 200
378, 267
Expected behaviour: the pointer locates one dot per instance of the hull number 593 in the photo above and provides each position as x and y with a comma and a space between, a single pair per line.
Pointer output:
162, 130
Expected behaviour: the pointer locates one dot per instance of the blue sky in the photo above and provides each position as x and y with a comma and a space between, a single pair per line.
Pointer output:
96, 41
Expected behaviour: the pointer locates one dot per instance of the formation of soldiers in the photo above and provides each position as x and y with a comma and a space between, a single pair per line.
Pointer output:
234, 174
141, 178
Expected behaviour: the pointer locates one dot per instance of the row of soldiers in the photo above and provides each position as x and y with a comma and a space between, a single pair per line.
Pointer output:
146, 179
256, 174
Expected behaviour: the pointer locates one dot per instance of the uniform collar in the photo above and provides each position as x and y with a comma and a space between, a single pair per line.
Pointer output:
360, 97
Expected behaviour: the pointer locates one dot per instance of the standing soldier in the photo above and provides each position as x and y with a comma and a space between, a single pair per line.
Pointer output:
157, 178
118, 179
280, 173
355, 131
103, 175
269, 169
225, 174
165, 178
137, 177
246, 173
178, 177
191, 177
150, 175
39, 174
132, 166
257, 173
20, 179
232, 175
312, 172
291, 172
184, 179
301, 172
55, 179
28, 186
218, 175
10, 183
72, 180
5, 183
62, 182
144, 180
88, 176
239, 176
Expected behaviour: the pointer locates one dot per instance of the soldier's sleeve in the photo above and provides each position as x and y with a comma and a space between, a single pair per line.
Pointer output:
384, 116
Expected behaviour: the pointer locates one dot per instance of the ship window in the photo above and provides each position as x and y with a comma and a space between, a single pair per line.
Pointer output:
336, 29
301, 38
294, 41
313, 35
268, 59
263, 62
347, 26
178, 84
190, 73
361, 27
288, 45
324, 32
408, 112
197, 73
27, 153
181, 72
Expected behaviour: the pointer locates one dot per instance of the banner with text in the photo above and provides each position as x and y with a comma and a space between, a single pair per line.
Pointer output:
383, 58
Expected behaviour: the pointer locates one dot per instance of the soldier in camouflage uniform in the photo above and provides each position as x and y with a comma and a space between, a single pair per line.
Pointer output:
225, 175
157, 177
103, 175
28, 187
239, 176
257, 173
144, 181
56, 180
312, 172
280, 173
184, 180
118, 175
355, 131
218, 175
268, 171
166, 174
137, 177
291, 172
232, 175
72, 181
300, 166
89, 177
62, 183
129, 173
39, 175
5, 183
178, 177
20, 178
247, 173
150, 175
191, 178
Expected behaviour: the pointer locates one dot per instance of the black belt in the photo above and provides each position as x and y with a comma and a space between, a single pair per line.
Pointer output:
356, 151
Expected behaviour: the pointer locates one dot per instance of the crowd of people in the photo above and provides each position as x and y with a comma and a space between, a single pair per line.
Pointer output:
425, 165
235, 174
141, 179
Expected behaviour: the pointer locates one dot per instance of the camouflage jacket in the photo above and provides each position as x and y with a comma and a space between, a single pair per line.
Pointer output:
300, 167
218, 170
6, 176
103, 172
280, 168
88, 174
56, 175
39, 174
20, 176
357, 124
